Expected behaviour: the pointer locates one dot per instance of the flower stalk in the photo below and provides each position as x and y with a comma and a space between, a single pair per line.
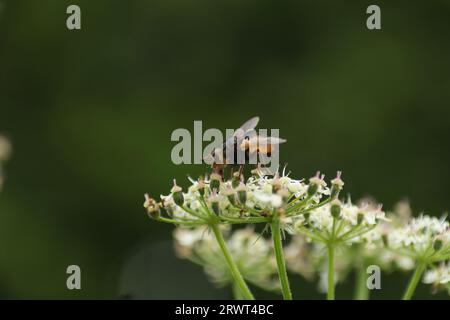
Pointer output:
237, 277
361, 290
412, 285
330, 292
281, 264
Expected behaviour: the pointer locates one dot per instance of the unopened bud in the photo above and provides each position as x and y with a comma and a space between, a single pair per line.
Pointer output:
201, 187
242, 193
315, 183
438, 244
152, 207
276, 183
214, 201
360, 217
230, 194
335, 208
336, 185
214, 182
177, 194
235, 180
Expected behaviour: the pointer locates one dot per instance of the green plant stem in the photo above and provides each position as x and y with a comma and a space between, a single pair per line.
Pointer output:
180, 222
278, 247
330, 293
239, 280
361, 290
414, 281
237, 294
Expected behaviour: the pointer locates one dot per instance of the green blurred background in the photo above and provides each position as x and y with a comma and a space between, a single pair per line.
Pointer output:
90, 114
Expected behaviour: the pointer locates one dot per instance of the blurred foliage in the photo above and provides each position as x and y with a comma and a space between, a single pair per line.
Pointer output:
90, 114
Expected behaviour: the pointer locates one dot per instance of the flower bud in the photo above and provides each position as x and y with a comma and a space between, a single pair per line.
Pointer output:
335, 208
214, 201
438, 244
230, 194
314, 184
153, 208
214, 182
360, 217
201, 187
336, 185
276, 183
177, 194
242, 193
235, 180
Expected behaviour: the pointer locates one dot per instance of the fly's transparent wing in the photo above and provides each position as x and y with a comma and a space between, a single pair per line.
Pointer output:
270, 140
246, 127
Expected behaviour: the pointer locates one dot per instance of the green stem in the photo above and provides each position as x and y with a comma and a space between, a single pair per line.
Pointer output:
239, 280
361, 290
414, 281
330, 294
278, 247
180, 222
237, 294
244, 220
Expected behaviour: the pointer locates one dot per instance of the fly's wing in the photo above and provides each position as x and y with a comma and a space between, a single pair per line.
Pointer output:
246, 127
232, 144
270, 140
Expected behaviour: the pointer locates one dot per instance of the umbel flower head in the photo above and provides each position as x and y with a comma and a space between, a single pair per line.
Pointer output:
257, 200
308, 258
253, 255
329, 236
426, 239
340, 223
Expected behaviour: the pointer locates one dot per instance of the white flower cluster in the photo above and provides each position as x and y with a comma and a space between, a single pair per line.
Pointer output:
439, 277
351, 215
253, 255
259, 197
339, 222
317, 220
421, 237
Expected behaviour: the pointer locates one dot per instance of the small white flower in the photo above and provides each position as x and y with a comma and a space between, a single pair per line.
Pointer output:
350, 212
419, 234
439, 275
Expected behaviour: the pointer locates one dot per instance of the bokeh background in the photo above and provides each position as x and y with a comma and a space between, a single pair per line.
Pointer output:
90, 114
